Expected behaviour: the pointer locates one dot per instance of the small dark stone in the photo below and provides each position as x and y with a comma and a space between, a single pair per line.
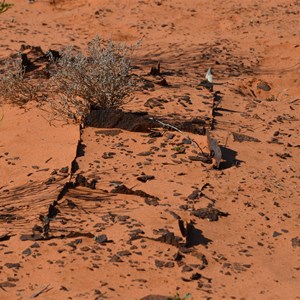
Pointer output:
186, 99
77, 241
169, 264
152, 201
50, 180
148, 85
160, 231
184, 207
169, 238
64, 170
210, 213
195, 195
145, 153
71, 204
196, 276
155, 134
145, 178
4, 237
187, 268
152, 102
186, 141
159, 263
178, 256
85, 248
122, 189
264, 86
27, 252
124, 253
202, 258
169, 136
101, 239
136, 233
163, 82
35, 245
82, 181
275, 234
197, 266
123, 218
13, 265
115, 258
107, 155
295, 242
72, 245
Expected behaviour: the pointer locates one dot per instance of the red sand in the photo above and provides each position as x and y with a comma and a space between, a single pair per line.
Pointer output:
253, 253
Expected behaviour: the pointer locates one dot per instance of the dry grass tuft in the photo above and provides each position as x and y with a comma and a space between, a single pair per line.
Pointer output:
15, 86
98, 79
78, 82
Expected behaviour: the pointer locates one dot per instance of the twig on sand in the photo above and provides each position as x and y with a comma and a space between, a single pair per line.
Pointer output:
4, 6
178, 130
44, 289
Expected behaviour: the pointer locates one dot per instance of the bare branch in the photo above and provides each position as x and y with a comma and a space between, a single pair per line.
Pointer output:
194, 143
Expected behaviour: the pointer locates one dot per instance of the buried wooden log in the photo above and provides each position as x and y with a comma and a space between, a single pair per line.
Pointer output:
45, 289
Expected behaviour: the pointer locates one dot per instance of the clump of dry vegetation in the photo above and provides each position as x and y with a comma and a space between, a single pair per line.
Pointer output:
79, 82
99, 78
15, 86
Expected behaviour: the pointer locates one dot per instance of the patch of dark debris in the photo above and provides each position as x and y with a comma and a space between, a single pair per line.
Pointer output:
209, 213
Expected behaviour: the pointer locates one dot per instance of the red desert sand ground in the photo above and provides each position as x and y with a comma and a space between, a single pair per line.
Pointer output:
105, 245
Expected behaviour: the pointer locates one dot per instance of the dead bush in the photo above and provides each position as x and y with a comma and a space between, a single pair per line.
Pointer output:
15, 86
99, 78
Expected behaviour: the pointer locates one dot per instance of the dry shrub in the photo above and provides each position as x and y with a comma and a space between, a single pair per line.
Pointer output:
98, 79
78, 83
15, 86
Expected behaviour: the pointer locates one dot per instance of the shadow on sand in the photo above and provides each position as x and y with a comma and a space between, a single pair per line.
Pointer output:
195, 237
229, 157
